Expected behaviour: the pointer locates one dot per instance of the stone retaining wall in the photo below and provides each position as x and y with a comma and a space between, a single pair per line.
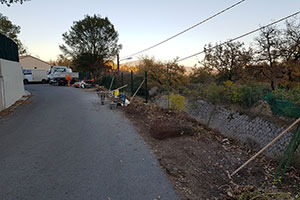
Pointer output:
253, 132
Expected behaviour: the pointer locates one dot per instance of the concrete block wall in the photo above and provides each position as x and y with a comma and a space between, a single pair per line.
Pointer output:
11, 83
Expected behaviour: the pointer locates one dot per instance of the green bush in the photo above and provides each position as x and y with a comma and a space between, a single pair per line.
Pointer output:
230, 93
215, 93
292, 95
177, 102
252, 93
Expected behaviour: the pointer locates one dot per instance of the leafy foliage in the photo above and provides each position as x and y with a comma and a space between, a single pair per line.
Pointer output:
91, 43
177, 102
163, 75
292, 95
227, 60
9, 2
268, 50
61, 61
230, 93
11, 31
275, 58
201, 75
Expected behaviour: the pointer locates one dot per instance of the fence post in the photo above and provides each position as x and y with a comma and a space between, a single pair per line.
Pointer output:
168, 81
122, 80
131, 82
146, 87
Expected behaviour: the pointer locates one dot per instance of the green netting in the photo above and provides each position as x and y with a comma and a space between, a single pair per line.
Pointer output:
282, 107
287, 109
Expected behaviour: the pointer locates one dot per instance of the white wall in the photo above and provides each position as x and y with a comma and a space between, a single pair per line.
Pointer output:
11, 83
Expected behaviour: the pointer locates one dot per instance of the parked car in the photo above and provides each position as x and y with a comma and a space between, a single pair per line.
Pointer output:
34, 75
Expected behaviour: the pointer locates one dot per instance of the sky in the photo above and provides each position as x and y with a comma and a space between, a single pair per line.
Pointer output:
141, 23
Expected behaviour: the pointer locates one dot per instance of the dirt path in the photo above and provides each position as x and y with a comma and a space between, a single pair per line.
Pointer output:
198, 163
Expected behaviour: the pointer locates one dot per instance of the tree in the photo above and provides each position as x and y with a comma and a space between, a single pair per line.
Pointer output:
9, 2
290, 47
290, 52
11, 31
162, 74
90, 43
61, 61
227, 59
201, 75
268, 51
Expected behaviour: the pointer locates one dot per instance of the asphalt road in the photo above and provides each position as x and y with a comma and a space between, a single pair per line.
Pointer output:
65, 145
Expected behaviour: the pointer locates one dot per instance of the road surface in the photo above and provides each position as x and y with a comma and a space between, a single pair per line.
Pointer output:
65, 145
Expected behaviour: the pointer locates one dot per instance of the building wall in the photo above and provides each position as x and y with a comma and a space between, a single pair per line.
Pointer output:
11, 83
29, 62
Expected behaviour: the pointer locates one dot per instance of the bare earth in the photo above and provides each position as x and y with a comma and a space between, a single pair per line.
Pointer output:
199, 162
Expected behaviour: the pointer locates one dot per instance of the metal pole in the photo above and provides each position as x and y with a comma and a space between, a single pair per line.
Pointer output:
168, 80
131, 82
111, 83
122, 80
146, 87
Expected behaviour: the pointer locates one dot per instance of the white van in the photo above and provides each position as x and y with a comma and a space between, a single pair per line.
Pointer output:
34, 75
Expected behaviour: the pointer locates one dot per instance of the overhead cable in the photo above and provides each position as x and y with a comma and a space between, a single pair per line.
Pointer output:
241, 36
176, 35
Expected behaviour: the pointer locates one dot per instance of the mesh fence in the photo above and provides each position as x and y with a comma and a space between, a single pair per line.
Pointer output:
8, 49
287, 109
132, 82
283, 107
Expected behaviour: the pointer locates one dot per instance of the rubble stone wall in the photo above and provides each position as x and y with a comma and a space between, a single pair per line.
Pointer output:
252, 131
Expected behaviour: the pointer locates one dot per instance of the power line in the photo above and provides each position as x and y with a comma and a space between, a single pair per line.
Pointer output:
241, 36
176, 35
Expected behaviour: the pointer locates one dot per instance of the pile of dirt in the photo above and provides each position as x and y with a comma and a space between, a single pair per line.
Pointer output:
199, 162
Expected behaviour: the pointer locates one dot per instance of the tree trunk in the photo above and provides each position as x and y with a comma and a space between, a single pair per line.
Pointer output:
272, 85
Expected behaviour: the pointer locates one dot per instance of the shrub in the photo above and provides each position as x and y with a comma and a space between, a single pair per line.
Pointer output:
292, 95
252, 93
215, 93
177, 102
230, 93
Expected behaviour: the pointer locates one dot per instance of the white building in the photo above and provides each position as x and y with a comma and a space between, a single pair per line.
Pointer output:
30, 62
